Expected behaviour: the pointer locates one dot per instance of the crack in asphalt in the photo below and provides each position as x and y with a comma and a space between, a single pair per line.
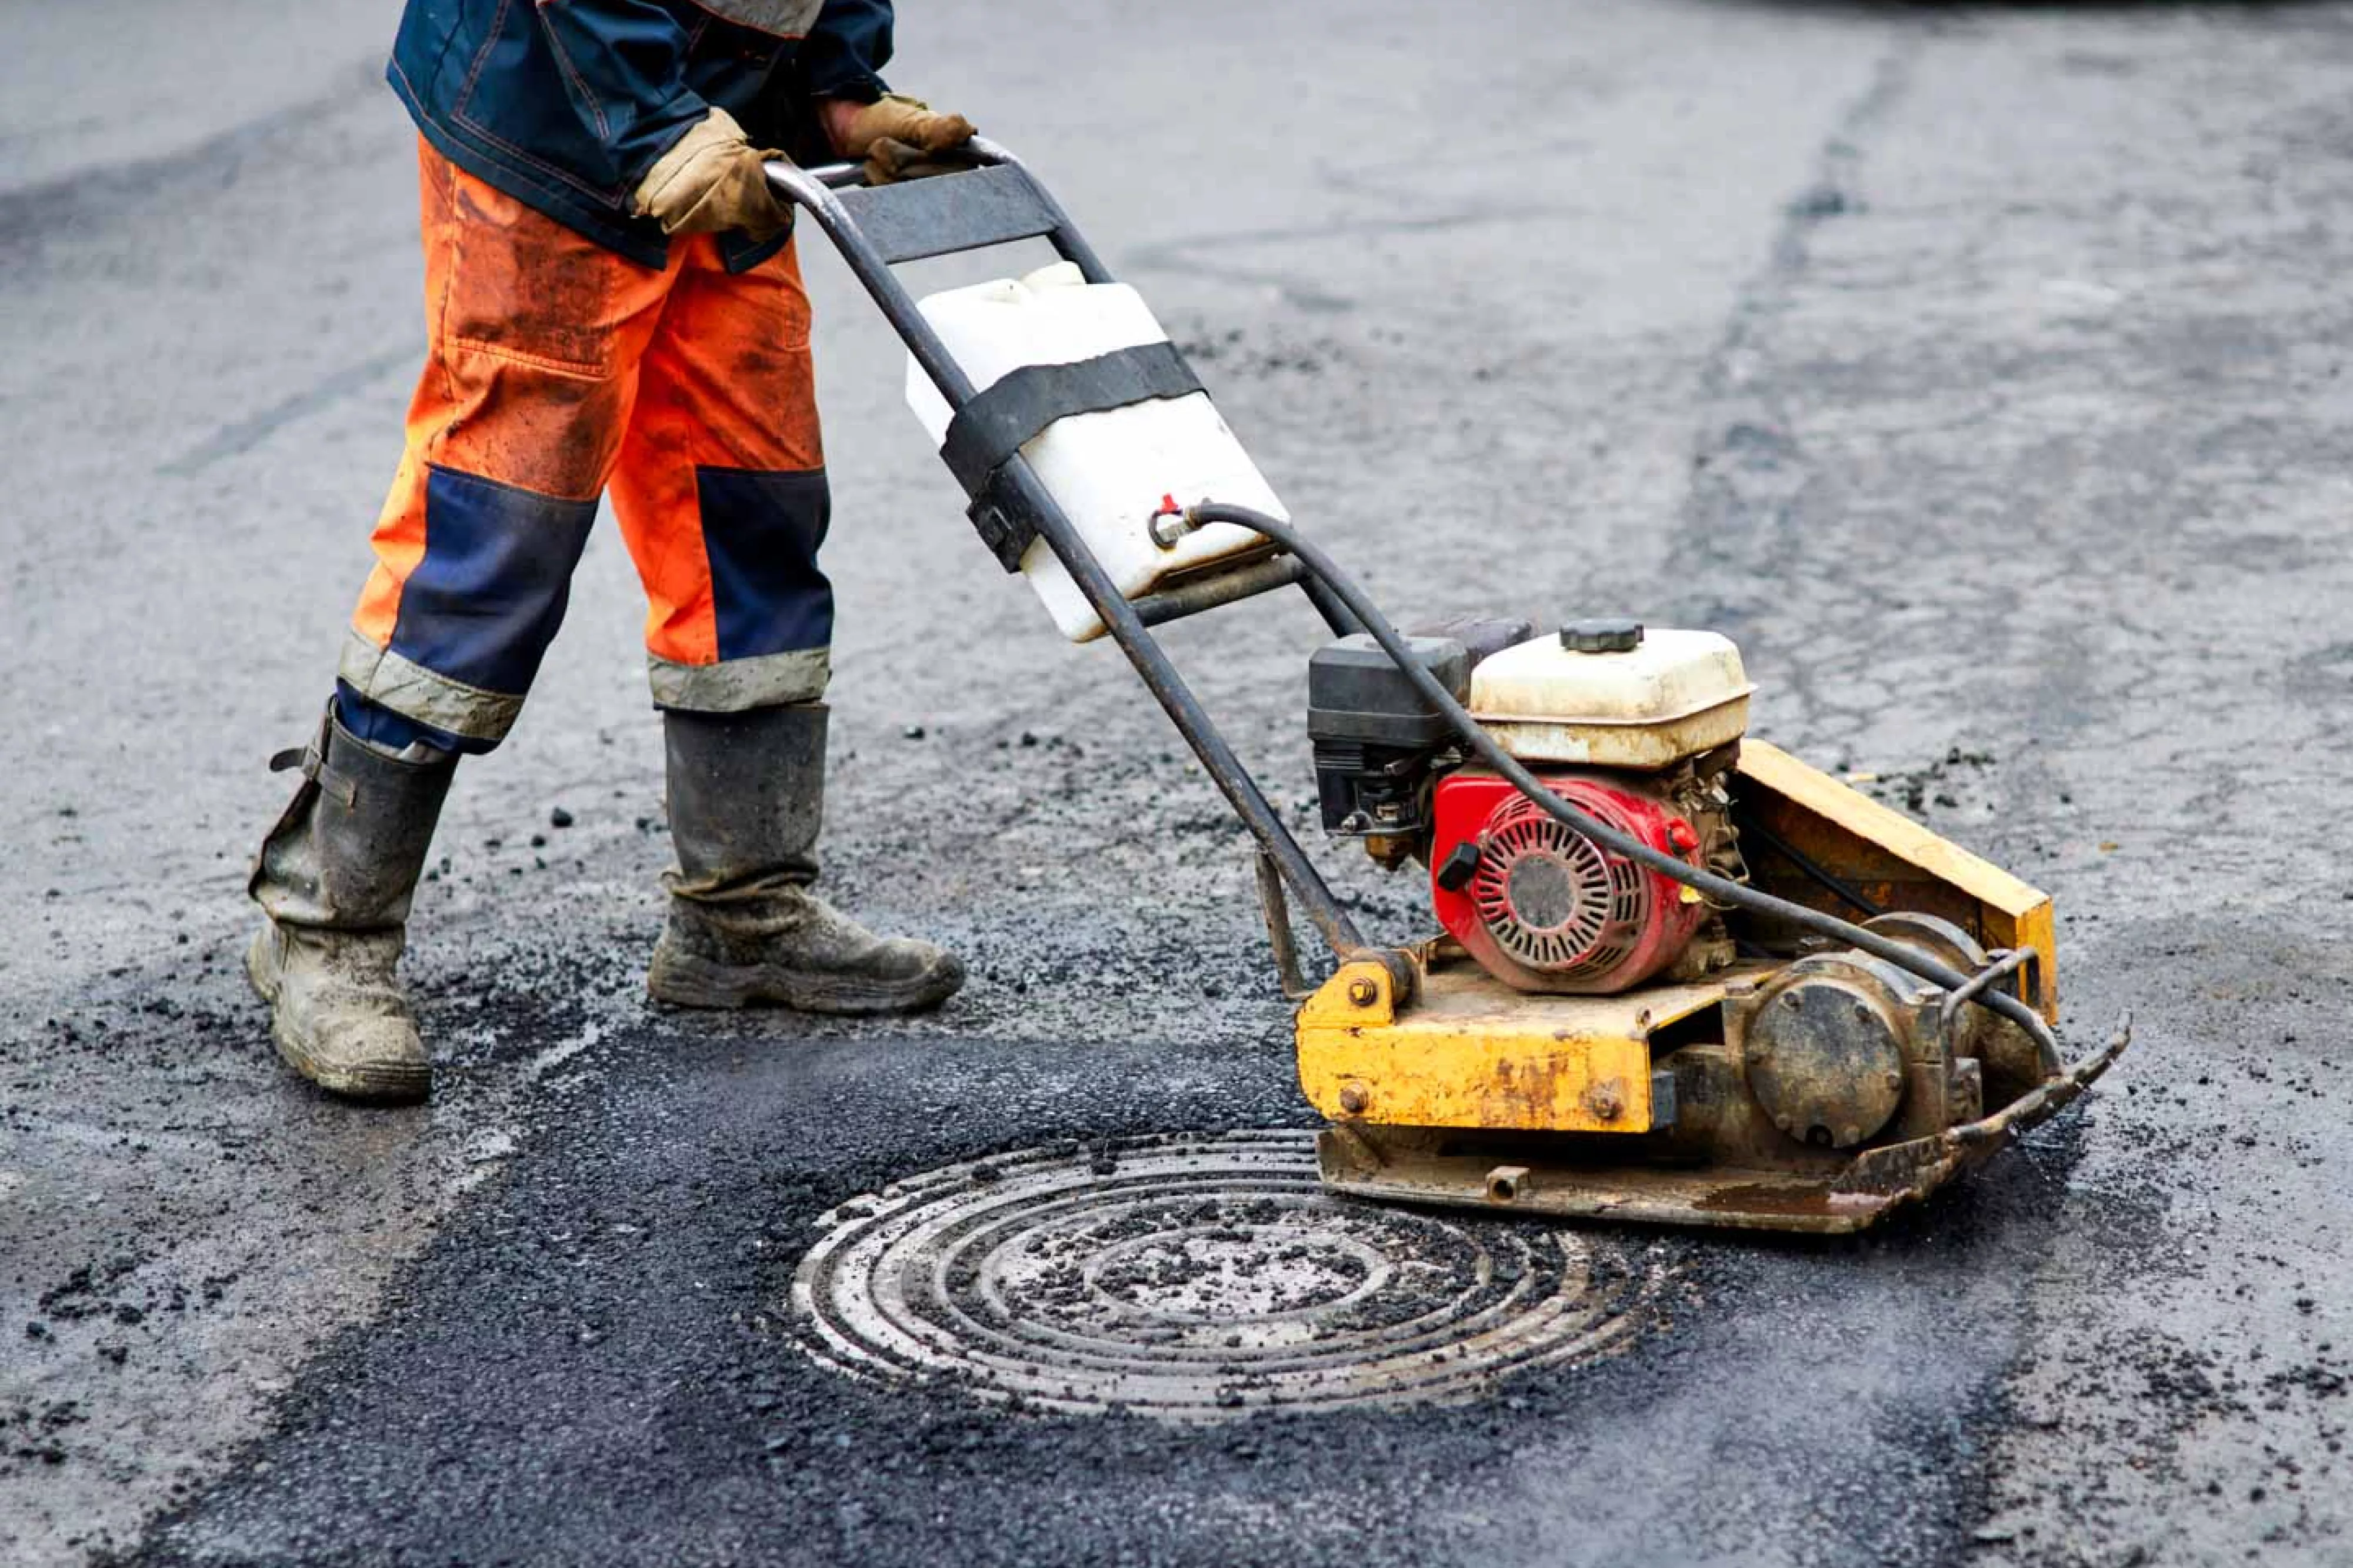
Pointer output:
243, 436
122, 192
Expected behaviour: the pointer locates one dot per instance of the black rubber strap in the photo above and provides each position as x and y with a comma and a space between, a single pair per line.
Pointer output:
995, 424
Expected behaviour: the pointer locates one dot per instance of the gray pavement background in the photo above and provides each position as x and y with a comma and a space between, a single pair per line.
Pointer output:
1979, 369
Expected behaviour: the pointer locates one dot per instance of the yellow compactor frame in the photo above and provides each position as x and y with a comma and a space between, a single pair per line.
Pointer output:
1444, 1085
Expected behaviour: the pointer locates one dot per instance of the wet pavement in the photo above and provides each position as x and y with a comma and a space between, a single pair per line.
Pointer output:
1980, 369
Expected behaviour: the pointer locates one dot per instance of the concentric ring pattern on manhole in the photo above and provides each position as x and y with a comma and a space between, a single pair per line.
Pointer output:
1197, 1277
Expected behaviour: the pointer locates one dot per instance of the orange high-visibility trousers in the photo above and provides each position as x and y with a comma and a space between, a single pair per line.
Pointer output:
558, 369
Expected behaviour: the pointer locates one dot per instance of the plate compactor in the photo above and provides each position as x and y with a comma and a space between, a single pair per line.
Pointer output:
1679, 976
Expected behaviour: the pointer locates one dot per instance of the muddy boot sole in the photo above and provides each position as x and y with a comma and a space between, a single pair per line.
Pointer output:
387, 1085
683, 979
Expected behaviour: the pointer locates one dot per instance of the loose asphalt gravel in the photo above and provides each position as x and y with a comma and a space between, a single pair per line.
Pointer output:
1978, 368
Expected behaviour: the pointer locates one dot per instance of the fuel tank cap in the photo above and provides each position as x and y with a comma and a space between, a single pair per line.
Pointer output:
1610, 635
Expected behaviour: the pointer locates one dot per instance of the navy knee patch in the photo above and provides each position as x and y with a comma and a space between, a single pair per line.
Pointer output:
761, 532
482, 606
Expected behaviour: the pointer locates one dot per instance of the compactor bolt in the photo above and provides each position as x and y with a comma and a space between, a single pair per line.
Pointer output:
1169, 525
1894, 1078
1850, 1133
1363, 993
1353, 1098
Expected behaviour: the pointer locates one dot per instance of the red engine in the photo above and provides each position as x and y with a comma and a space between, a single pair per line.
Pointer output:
1542, 908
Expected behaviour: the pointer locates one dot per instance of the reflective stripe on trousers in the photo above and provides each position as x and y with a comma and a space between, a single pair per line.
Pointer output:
559, 370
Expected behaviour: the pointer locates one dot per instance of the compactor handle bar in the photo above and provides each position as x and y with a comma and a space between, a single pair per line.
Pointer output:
844, 176
832, 176
996, 201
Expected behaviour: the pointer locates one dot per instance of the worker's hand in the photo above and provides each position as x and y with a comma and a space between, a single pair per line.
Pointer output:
711, 180
897, 137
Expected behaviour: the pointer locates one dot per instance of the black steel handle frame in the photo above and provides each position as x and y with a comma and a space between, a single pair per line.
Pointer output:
998, 202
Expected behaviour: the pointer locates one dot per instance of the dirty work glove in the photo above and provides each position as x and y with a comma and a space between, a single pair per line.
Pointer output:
711, 180
898, 136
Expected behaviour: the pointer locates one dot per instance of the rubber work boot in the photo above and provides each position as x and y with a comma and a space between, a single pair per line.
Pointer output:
336, 877
747, 799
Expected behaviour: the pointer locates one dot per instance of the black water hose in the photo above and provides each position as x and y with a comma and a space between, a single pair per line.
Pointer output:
1838, 887
1483, 745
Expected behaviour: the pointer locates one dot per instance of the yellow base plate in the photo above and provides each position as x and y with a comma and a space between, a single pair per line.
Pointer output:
1470, 1052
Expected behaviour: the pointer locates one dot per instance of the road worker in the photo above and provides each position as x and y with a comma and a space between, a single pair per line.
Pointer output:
612, 301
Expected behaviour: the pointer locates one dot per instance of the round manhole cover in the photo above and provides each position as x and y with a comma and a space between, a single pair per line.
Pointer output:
1195, 1278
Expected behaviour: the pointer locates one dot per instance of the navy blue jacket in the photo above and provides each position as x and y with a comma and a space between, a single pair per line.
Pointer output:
565, 104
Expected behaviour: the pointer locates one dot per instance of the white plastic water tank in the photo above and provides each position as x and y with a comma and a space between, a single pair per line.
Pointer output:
1109, 470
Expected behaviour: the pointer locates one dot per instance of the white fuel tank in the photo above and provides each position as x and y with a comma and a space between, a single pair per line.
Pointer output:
1109, 470
1608, 694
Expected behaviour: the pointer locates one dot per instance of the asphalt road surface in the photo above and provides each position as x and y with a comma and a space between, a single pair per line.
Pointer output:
1979, 369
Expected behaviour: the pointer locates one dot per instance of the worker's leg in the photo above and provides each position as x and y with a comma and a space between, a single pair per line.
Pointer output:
534, 336
722, 495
